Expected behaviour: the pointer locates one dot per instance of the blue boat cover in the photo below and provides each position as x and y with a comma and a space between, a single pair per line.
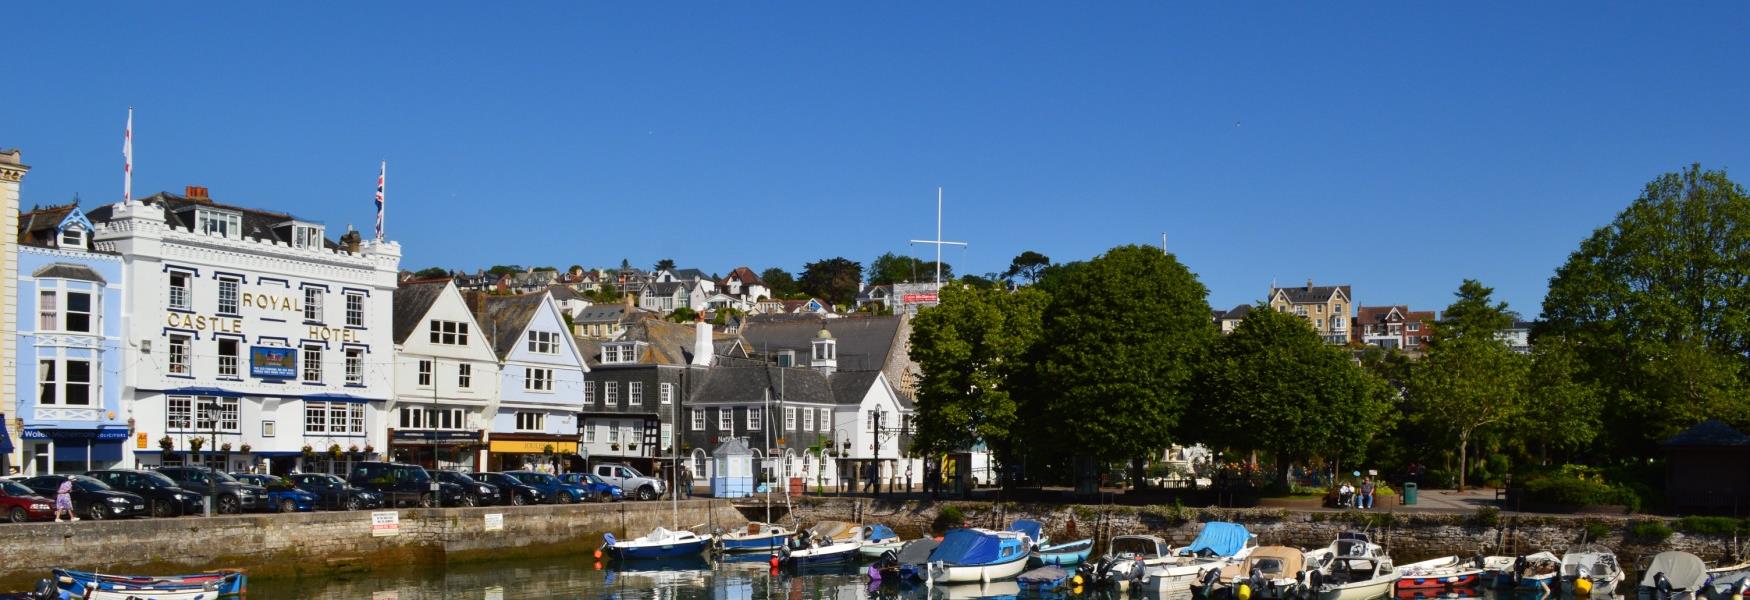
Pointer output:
1029, 527
1224, 539
879, 532
966, 547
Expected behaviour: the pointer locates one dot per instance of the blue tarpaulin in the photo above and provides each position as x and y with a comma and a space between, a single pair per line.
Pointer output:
1222, 539
1029, 527
968, 547
876, 533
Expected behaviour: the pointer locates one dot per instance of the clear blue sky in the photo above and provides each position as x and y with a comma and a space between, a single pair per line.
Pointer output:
1398, 147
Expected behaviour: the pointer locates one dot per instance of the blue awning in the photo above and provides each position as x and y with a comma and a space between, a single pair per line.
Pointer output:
204, 391
335, 397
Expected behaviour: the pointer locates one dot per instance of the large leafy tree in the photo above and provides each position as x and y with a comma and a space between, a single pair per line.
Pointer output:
1274, 385
1126, 332
431, 272
1657, 304
1028, 265
1565, 409
666, 264
970, 349
781, 282
892, 268
1470, 379
832, 279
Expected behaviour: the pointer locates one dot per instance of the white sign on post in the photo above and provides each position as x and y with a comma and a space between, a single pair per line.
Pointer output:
385, 523
495, 521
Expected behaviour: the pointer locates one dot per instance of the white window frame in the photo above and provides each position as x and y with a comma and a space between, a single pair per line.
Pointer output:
72, 236
531, 421
230, 295
55, 307
589, 433
538, 379
177, 353
589, 393
426, 370
54, 378
698, 418
789, 418
465, 376
230, 365
448, 333
226, 224
181, 296
308, 237
610, 393
826, 419
355, 365
178, 413
202, 417
543, 342
754, 414
726, 419
313, 304
666, 391
311, 370
355, 309
635, 393
808, 419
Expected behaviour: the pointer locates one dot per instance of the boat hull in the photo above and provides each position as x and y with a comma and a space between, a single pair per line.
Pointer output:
843, 552
1440, 581
753, 543
1073, 553
204, 586
1361, 590
1602, 587
633, 550
945, 573
876, 549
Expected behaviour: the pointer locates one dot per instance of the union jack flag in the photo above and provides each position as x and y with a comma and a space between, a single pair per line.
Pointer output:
382, 172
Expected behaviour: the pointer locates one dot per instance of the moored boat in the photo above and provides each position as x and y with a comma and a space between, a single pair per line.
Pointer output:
1269, 572
1127, 557
877, 540
1590, 571
754, 537
978, 555
1034, 530
88, 585
1197, 567
1066, 554
1444, 573
1672, 575
1043, 579
659, 543
1351, 568
914, 558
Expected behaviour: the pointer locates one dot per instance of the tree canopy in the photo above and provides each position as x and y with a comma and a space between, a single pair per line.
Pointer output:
970, 349
431, 272
781, 282
1470, 379
890, 268
1028, 265
834, 280
666, 264
502, 270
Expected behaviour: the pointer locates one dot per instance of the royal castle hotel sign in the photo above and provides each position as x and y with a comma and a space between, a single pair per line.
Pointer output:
253, 333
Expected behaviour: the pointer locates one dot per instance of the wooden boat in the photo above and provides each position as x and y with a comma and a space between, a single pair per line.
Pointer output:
1197, 567
1067, 554
1127, 558
1351, 568
1672, 576
978, 555
660, 543
1270, 572
878, 540
755, 537
88, 585
1043, 579
1445, 573
1590, 571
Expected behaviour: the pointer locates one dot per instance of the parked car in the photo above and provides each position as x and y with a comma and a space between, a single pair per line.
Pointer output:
594, 487
630, 480
511, 490
163, 497
403, 484
20, 503
231, 496
282, 496
474, 493
556, 491
332, 492
92, 499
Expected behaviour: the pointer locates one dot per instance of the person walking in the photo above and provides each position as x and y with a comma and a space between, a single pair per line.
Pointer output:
908, 477
64, 500
686, 483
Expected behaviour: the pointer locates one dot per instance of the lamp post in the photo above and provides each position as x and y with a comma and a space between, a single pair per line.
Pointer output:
212, 409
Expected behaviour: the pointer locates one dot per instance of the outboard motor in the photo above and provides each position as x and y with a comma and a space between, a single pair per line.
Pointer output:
1661, 586
1206, 582
45, 590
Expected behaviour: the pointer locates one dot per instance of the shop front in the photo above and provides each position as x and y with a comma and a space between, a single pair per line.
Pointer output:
438, 449
56, 450
534, 452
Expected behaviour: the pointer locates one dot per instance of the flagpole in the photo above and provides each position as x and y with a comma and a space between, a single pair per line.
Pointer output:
128, 159
382, 181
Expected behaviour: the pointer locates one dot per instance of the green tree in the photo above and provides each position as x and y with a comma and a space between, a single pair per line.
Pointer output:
1469, 379
1566, 410
834, 280
890, 268
666, 264
984, 282
781, 282
1274, 385
1028, 264
431, 273
1127, 330
970, 349
683, 315
502, 270
1657, 304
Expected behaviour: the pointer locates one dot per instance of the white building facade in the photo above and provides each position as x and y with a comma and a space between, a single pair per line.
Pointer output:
446, 379
254, 342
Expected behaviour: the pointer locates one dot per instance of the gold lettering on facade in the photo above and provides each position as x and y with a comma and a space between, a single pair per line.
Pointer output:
333, 334
204, 323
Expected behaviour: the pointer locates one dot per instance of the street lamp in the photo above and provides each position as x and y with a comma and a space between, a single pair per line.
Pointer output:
212, 409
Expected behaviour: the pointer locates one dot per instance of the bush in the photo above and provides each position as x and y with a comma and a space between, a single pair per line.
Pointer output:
1649, 532
1570, 491
1439, 479
1712, 525
947, 518
1597, 530
1487, 516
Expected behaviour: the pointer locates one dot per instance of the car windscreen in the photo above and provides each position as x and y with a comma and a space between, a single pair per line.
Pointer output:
90, 485
411, 474
15, 489
224, 477
155, 480
596, 480
460, 477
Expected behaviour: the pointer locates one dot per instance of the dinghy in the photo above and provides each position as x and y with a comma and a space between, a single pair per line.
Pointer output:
1043, 579
1444, 573
1067, 554
978, 555
810, 548
878, 540
755, 537
660, 543
1590, 571
88, 585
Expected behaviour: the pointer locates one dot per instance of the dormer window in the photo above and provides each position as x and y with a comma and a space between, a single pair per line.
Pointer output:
73, 237
620, 353
306, 236
220, 223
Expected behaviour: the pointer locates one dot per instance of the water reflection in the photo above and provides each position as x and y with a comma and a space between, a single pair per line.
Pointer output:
745, 578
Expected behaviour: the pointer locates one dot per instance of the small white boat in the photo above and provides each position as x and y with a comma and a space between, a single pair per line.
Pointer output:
1438, 575
878, 540
802, 552
1592, 571
1197, 567
1269, 572
1673, 575
1352, 568
755, 537
1127, 558
979, 555
660, 543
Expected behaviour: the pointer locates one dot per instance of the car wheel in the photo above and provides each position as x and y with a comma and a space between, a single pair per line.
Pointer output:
94, 512
352, 502
605, 497
228, 505
162, 509
17, 515
428, 501
646, 493
564, 497
517, 499
288, 506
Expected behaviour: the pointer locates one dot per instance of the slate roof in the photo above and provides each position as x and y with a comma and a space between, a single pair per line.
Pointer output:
601, 313
562, 293
260, 225
849, 387
1237, 312
749, 384
864, 343
1312, 293
667, 343
689, 274
1709, 433
666, 288
503, 318
37, 227
412, 301
67, 271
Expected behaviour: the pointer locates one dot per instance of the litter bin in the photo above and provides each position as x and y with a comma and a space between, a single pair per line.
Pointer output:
796, 487
1410, 493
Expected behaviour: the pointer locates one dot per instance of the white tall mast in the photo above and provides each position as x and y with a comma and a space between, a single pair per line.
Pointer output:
938, 242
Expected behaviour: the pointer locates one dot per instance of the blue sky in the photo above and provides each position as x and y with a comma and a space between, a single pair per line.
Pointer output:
1398, 147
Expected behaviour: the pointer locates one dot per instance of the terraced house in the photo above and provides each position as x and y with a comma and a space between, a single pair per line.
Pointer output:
1325, 306
540, 389
446, 379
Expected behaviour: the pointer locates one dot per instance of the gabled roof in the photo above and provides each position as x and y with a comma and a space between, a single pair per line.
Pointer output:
849, 387
864, 343
689, 274
40, 226
412, 301
503, 318
562, 293
67, 271
1709, 433
260, 225
750, 384
745, 275
1237, 313
1311, 294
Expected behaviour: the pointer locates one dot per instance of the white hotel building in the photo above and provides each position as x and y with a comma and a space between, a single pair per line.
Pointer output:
253, 332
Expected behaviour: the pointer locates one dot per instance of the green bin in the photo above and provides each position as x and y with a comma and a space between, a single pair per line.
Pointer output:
1410, 493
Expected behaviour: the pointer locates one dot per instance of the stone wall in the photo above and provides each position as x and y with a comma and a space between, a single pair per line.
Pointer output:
1409, 536
314, 543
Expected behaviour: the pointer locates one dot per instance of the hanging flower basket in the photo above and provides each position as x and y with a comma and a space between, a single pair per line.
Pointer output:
309, 453
370, 449
194, 444
547, 450
245, 448
353, 449
614, 446
166, 443
334, 450
632, 446
225, 447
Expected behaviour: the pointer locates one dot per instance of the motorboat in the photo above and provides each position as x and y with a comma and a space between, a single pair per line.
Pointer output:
1532, 572
1043, 579
1034, 530
1435, 575
1066, 554
810, 547
837, 531
1269, 572
878, 540
913, 558
755, 537
200, 586
1351, 568
1197, 567
1726, 581
1673, 575
1127, 558
979, 555
659, 543
1590, 570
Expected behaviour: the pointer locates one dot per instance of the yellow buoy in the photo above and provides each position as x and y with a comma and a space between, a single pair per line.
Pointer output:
1582, 585
1077, 580
1244, 592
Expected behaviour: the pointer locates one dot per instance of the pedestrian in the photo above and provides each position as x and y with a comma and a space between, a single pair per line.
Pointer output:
687, 483
1367, 493
1345, 494
908, 477
64, 500
870, 472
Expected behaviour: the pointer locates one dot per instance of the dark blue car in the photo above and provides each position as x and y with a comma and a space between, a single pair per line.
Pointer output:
594, 487
550, 486
282, 496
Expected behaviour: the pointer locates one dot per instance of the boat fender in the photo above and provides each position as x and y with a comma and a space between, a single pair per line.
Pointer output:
1582, 586
1243, 592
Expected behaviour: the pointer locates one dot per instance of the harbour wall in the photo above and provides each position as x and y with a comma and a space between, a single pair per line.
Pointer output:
319, 543
1409, 535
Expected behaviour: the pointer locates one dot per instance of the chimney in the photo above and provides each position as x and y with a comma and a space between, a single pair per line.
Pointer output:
703, 349
1309, 284
630, 302
196, 193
